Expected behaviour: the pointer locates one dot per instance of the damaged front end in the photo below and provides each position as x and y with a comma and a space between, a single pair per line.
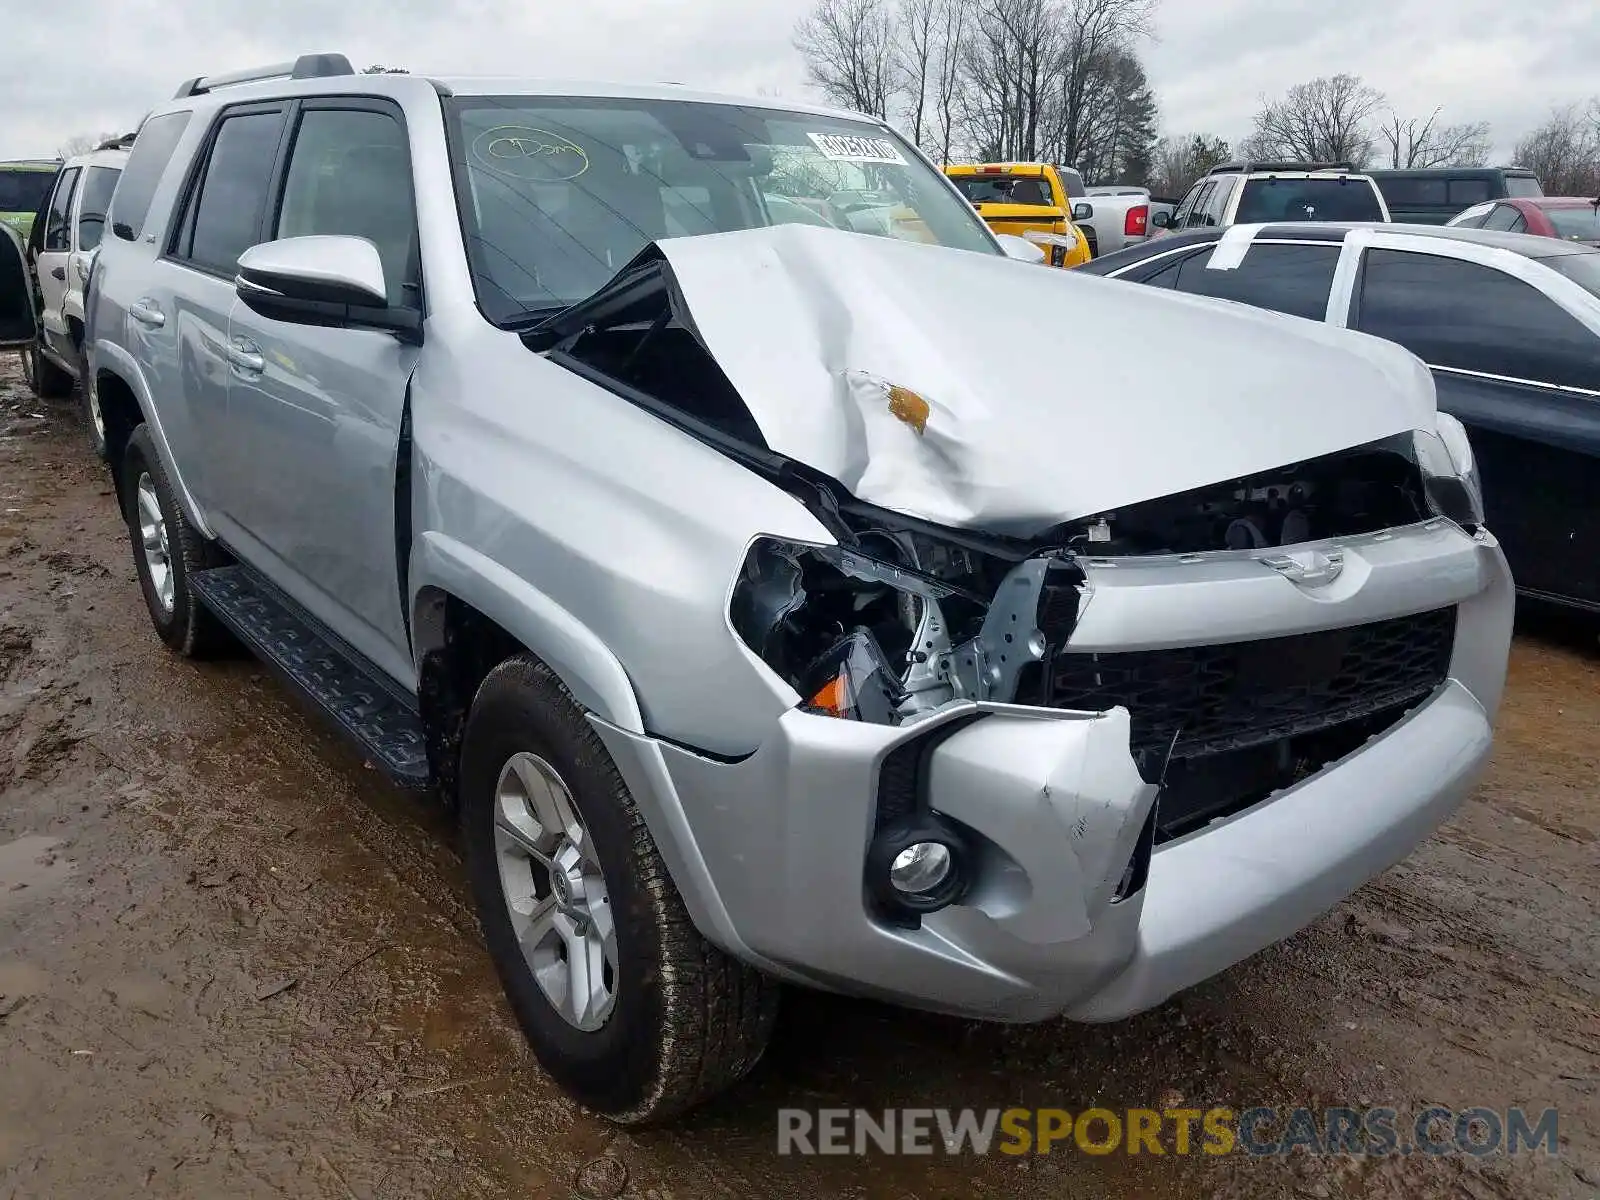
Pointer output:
1016, 699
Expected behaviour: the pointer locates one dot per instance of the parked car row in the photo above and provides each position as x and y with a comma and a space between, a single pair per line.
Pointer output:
1509, 326
653, 478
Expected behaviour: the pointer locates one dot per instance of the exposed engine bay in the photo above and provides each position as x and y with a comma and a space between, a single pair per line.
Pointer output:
899, 621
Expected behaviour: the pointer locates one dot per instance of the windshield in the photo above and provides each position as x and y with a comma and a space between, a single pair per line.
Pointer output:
559, 194
23, 191
1004, 189
1579, 224
1523, 185
1308, 200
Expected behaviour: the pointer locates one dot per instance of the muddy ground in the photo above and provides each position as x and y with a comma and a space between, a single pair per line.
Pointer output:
234, 963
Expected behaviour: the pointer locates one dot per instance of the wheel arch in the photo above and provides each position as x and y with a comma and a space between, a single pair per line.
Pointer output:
120, 383
470, 613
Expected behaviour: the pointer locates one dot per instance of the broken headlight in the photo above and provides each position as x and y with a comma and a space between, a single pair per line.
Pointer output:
1449, 474
864, 632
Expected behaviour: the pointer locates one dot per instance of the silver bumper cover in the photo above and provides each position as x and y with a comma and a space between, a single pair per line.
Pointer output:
769, 851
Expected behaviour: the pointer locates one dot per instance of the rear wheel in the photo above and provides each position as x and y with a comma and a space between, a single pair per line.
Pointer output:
93, 419
624, 1003
166, 552
48, 381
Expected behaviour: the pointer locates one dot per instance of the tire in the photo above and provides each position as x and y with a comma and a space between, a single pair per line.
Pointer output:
48, 381
685, 1020
93, 420
182, 621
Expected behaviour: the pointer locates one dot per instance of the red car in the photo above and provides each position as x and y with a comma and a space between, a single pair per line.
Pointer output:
1571, 218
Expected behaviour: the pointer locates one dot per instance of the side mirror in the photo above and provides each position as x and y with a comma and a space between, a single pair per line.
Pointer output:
18, 326
1161, 219
322, 280
1019, 248
1082, 212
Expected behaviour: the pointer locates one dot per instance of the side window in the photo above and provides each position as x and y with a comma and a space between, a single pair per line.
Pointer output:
98, 186
1471, 218
1503, 217
58, 228
224, 214
1216, 204
1164, 272
350, 174
152, 151
1469, 191
1287, 279
1180, 216
1197, 215
1452, 313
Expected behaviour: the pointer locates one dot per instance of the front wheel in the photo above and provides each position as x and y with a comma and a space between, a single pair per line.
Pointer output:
630, 1010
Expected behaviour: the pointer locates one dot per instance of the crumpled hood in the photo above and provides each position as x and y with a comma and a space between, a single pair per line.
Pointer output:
1049, 395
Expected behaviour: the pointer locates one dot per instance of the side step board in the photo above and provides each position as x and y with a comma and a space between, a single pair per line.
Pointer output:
355, 696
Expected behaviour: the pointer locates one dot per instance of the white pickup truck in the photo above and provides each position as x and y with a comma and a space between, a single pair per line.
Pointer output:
1121, 215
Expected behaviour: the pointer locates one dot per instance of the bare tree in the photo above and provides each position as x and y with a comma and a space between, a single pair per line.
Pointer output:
1564, 152
1325, 120
1182, 159
849, 51
82, 143
1095, 30
951, 53
1417, 144
380, 69
917, 57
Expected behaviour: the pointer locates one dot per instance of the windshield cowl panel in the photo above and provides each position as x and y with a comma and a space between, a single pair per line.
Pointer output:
559, 194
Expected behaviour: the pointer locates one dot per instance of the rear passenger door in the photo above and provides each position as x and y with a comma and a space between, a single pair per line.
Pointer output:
316, 412
221, 217
51, 264
1523, 374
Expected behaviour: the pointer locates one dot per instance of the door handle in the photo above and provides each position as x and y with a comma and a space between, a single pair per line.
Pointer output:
58, 273
246, 355
147, 312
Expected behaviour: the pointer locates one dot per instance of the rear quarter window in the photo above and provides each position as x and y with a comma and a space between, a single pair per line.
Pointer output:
152, 151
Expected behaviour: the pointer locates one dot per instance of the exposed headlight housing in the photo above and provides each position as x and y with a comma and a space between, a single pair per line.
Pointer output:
1449, 472
882, 631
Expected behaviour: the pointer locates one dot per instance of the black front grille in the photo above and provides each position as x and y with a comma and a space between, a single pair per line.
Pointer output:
1206, 700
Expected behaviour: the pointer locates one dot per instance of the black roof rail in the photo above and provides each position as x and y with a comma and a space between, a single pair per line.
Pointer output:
1248, 168
118, 143
307, 66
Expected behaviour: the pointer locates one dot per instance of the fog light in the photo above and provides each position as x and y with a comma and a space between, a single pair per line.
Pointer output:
921, 868
915, 866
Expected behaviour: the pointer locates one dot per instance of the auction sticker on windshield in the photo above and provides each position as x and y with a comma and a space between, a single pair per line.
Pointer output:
841, 147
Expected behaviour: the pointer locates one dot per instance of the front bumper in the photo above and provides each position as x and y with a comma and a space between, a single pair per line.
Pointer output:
769, 851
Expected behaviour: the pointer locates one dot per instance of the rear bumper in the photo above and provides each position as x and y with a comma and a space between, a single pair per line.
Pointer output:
769, 852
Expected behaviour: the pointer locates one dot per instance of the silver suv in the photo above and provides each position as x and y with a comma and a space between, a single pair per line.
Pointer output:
765, 619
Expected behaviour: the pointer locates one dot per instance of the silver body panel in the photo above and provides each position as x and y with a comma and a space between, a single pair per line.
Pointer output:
607, 542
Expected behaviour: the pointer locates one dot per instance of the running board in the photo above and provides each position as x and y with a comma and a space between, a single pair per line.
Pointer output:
355, 696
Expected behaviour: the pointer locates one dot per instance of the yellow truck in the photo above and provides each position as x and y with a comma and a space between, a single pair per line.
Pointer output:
1029, 200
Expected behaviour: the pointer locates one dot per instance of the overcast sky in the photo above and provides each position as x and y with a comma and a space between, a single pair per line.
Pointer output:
71, 66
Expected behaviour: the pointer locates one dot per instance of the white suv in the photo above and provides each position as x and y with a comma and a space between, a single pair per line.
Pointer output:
1250, 193
62, 249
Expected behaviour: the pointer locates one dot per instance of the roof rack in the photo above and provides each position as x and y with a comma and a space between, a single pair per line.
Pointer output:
1248, 168
307, 66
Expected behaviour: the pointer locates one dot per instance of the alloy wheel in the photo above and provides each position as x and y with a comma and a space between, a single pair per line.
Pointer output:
555, 891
